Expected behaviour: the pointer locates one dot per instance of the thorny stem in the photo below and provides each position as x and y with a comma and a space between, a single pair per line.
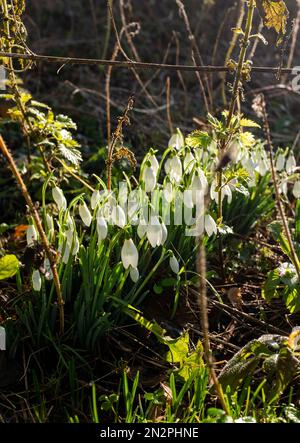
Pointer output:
286, 228
50, 254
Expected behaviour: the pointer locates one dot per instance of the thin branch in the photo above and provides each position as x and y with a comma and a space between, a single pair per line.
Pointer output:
135, 65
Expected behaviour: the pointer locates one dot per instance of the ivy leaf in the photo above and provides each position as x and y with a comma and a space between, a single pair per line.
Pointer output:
9, 265
275, 15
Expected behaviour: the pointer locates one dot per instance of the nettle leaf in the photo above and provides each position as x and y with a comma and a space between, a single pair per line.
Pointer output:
199, 139
275, 15
73, 155
245, 122
269, 289
9, 265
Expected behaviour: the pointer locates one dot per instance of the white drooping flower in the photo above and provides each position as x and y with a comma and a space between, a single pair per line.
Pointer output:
48, 270
280, 163
177, 140
154, 163
174, 265
175, 169
225, 192
262, 167
49, 222
291, 164
129, 254
149, 177
96, 196
118, 216
210, 225
101, 228
72, 240
36, 280
168, 192
85, 214
59, 198
154, 232
66, 255
134, 274
296, 190
164, 232
31, 235
198, 186
188, 198
142, 229
188, 162
168, 166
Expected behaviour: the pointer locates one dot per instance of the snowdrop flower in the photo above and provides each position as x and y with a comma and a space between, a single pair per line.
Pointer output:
188, 163
72, 241
290, 164
168, 166
48, 270
59, 198
177, 140
296, 190
129, 254
262, 167
36, 280
154, 163
149, 177
175, 169
85, 214
154, 232
164, 233
286, 269
31, 236
101, 229
95, 199
226, 191
280, 163
118, 216
188, 198
134, 274
49, 222
283, 188
142, 229
66, 255
210, 225
174, 265
168, 192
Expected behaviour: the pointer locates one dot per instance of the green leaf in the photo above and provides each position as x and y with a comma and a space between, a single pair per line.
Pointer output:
269, 289
9, 265
249, 123
199, 139
178, 349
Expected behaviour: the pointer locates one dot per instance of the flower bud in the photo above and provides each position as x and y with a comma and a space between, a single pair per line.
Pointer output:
134, 274
101, 229
129, 254
59, 198
31, 236
85, 214
149, 179
36, 280
174, 265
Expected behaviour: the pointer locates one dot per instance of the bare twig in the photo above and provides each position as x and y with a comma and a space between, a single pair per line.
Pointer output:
50, 254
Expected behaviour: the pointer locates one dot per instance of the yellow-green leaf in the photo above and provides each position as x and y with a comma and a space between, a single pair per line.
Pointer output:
275, 15
245, 122
9, 265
